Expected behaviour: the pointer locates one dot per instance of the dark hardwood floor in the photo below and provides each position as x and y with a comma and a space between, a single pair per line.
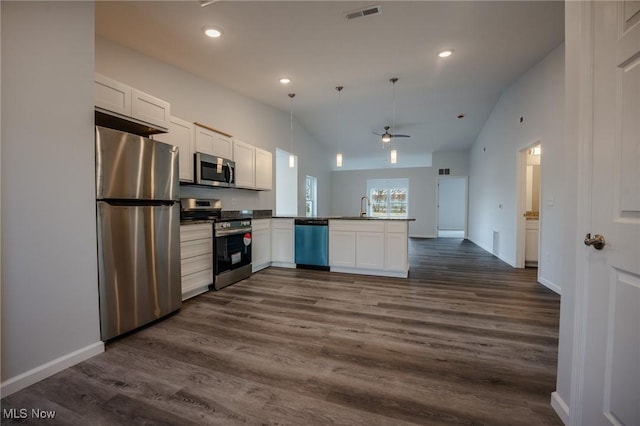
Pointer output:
465, 340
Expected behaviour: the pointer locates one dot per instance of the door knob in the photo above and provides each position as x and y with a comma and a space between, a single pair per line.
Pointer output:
597, 241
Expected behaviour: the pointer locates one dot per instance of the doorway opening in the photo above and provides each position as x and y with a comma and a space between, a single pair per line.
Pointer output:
528, 196
452, 206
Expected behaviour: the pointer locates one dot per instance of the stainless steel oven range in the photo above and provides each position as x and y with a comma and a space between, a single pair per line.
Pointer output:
232, 251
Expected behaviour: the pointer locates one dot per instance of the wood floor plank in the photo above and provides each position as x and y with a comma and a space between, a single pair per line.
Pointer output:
466, 339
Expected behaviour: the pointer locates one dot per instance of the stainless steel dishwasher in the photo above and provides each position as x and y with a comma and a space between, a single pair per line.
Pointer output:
312, 243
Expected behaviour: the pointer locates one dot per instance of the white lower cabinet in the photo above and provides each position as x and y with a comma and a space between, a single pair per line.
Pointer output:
282, 243
342, 248
261, 244
373, 247
196, 258
370, 250
531, 242
396, 246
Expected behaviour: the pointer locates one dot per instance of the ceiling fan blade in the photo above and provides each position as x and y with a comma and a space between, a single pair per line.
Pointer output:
379, 134
400, 136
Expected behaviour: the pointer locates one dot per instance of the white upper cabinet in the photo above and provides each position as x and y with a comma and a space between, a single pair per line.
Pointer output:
264, 169
254, 169
181, 134
208, 141
149, 109
118, 99
244, 155
111, 95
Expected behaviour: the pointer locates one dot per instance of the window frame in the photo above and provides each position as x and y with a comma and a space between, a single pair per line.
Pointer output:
311, 196
386, 188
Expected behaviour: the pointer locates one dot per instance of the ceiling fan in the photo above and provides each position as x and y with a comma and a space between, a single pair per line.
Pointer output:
386, 136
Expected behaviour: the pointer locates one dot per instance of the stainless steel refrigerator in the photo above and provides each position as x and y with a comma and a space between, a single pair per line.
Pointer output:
138, 225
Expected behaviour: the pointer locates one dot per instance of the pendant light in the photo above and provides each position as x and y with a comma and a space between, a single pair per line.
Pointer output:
292, 158
394, 152
339, 154
394, 156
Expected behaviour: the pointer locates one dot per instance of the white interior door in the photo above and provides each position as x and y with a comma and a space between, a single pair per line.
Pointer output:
609, 392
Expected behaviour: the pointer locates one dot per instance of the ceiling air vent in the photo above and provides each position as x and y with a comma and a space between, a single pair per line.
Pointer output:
368, 11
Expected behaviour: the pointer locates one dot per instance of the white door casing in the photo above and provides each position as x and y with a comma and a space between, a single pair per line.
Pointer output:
521, 208
606, 358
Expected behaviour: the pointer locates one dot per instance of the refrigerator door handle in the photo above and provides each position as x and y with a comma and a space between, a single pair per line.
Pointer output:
129, 202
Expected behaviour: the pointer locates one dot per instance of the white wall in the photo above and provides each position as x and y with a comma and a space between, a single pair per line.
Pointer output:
538, 97
350, 185
452, 203
287, 185
195, 99
49, 266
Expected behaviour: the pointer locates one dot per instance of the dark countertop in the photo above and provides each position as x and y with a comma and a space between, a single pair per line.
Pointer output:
268, 214
411, 219
196, 222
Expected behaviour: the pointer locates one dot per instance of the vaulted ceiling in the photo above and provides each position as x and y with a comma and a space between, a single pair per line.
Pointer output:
318, 48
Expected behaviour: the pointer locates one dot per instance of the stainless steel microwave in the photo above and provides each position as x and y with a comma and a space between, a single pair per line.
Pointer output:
214, 171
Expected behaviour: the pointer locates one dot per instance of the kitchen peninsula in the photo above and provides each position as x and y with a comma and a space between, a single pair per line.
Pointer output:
357, 245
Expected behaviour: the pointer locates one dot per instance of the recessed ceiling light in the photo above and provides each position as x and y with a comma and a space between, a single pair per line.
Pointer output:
285, 80
445, 53
212, 32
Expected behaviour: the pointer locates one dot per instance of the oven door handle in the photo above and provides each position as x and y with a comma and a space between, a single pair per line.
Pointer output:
228, 232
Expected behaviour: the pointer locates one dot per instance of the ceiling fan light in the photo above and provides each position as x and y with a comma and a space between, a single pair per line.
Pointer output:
386, 138
339, 159
212, 32
394, 156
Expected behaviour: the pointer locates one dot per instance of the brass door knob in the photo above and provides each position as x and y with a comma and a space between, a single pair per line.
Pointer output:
597, 241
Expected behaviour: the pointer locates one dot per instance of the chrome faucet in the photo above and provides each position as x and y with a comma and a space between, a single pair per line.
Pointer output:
363, 212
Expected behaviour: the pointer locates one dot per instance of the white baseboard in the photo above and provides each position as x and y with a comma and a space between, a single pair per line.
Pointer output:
259, 267
560, 407
374, 272
194, 292
480, 245
551, 286
509, 262
43, 371
422, 236
283, 264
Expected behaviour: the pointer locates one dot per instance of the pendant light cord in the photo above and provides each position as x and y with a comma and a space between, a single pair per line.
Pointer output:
339, 89
393, 117
291, 96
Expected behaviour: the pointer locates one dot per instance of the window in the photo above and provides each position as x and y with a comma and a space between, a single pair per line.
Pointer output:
389, 197
310, 196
